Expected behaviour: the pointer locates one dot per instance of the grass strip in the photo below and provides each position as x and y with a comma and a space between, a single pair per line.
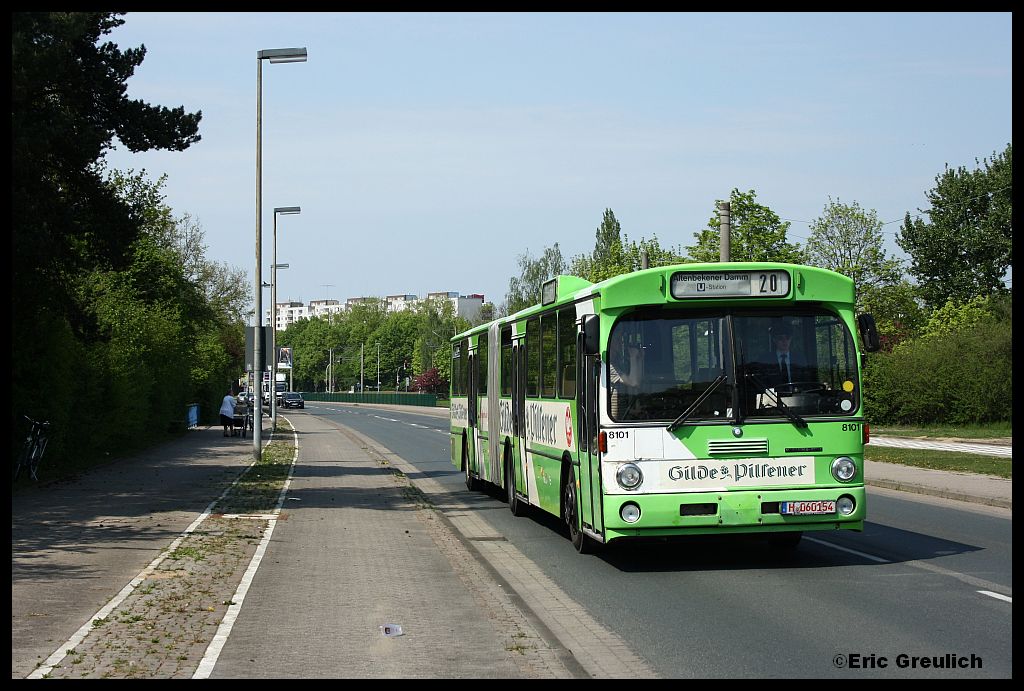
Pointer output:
942, 460
996, 430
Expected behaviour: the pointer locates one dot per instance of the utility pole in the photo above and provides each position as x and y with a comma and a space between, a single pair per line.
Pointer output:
362, 387
330, 351
378, 368
724, 231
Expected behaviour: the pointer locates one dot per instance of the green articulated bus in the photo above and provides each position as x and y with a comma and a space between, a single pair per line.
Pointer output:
678, 400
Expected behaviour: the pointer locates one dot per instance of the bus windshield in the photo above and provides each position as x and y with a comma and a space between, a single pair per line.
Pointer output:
730, 364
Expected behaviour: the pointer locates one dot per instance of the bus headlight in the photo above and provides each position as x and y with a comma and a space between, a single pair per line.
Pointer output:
629, 476
843, 469
630, 512
845, 505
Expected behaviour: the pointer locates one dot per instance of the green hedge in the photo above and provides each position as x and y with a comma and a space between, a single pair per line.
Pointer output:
959, 377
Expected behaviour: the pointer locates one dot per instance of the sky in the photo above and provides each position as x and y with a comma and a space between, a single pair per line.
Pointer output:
428, 151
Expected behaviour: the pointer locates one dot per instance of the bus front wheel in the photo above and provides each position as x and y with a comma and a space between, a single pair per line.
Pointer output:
570, 509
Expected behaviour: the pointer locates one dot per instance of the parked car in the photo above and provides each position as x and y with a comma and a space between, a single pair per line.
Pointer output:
293, 399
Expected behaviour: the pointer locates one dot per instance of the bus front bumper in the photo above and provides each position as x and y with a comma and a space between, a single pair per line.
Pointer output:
748, 511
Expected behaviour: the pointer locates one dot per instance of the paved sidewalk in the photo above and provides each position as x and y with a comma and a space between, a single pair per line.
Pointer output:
969, 487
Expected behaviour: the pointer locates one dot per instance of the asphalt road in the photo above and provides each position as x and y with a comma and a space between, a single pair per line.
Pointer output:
884, 603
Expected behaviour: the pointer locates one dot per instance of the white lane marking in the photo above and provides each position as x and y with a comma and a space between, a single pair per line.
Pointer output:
76, 638
847, 549
213, 650
962, 447
997, 596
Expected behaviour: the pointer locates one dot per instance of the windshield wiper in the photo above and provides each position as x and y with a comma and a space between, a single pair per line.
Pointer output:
785, 409
681, 420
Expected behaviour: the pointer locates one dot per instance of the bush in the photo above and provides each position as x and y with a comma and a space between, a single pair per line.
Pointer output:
958, 376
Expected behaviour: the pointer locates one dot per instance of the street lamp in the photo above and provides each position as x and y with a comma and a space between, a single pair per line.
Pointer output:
273, 334
274, 55
284, 210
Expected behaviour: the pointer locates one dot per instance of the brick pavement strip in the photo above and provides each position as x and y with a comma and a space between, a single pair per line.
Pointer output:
163, 626
162, 629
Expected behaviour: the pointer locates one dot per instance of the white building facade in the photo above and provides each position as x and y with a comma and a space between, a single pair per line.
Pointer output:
466, 306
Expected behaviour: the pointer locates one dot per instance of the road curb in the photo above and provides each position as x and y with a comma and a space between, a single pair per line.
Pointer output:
943, 493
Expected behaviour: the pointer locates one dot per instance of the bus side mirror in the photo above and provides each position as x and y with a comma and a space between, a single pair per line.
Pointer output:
591, 335
868, 332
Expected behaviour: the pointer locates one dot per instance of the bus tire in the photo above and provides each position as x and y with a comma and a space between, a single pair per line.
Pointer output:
516, 505
570, 510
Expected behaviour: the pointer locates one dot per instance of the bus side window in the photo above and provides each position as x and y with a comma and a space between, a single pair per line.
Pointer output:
481, 359
567, 352
533, 358
506, 361
549, 354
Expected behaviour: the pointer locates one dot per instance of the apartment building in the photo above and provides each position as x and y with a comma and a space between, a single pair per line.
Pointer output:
465, 306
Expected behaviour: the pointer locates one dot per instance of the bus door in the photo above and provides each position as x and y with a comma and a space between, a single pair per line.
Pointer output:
514, 459
519, 411
471, 403
588, 368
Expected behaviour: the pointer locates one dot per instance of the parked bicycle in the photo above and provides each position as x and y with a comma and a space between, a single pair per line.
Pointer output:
33, 449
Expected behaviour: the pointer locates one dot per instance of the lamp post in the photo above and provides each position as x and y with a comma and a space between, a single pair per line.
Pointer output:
273, 332
274, 55
274, 266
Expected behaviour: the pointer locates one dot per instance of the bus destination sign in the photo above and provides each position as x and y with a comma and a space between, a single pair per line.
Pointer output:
730, 284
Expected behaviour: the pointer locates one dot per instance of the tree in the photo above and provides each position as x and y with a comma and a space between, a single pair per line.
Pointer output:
68, 103
848, 239
78, 241
431, 382
432, 347
487, 313
624, 256
899, 315
615, 254
609, 238
954, 317
525, 290
756, 234
966, 247
395, 335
